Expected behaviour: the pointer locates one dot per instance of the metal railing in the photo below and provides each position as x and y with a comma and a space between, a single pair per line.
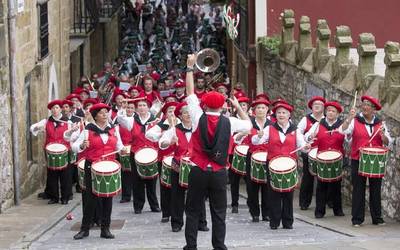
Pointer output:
85, 16
109, 7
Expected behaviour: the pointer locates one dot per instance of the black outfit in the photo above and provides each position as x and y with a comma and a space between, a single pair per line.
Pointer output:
165, 197
126, 184
328, 191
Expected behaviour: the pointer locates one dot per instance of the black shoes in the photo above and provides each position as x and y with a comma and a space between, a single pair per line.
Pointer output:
106, 234
78, 188
164, 219
82, 234
124, 201
64, 202
204, 229
52, 201
43, 196
265, 218
138, 211
235, 210
319, 216
156, 210
255, 219
379, 222
288, 227
273, 227
176, 229
303, 207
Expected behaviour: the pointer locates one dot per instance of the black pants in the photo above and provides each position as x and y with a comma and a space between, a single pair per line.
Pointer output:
126, 184
59, 179
74, 174
165, 196
139, 186
328, 191
307, 184
234, 180
200, 183
358, 196
281, 208
253, 189
178, 204
90, 203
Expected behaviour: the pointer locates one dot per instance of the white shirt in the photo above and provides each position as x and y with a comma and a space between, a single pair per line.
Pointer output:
169, 134
127, 121
75, 146
237, 125
303, 123
154, 134
41, 125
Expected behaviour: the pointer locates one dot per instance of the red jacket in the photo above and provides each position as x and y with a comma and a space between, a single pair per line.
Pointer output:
56, 134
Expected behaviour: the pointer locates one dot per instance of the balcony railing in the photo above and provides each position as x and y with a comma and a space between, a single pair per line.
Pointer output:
109, 7
85, 16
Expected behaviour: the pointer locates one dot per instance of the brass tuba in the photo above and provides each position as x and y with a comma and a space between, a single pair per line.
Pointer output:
208, 60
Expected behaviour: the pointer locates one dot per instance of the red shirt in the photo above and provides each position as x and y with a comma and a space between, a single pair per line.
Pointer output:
277, 148
327, 141
360, 138
56, 134
97, 148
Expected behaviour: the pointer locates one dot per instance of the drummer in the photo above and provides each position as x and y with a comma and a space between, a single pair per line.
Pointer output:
138, 125
326, 135
54, 127
283, 138
98, 138
362, 126
259, 122
316, 104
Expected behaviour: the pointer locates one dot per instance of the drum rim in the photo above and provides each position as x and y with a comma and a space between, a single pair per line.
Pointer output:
59, 152
107, 194
106, 173
146, 163
365, 150
331, 160
284, 171
240, 153
369, 175
311, 157
330, 179
81, 160
259, 151
163, 161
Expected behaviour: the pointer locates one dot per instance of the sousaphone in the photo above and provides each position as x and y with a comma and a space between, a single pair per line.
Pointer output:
208, 60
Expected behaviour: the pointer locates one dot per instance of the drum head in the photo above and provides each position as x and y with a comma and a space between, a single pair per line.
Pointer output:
260, 156
242, 149
374, 150
81, 164
105, 166
146, 155
329, 155
168, 160
313, 153
56, 147
282, 164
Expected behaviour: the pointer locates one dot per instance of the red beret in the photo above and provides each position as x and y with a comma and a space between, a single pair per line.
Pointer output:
213, 100
315, 98
72, 96
168, 105
55, 102
112, 79
243, 99
179, 107
80, 91
262, 96
260, 101
180, 84
97, 107
221, 85
138, 88
171, 95
283, 105
142, 98
88, 101
335, 105
155, 76
372, 100
118, 92
239, 94
68, 102
279, 100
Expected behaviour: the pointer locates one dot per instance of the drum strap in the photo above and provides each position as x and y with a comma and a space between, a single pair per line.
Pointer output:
217, 150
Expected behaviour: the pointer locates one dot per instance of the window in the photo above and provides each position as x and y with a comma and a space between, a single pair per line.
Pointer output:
242, 39
27, 97
43, 30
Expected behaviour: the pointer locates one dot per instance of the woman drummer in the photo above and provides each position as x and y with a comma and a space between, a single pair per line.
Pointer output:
98, 139
283, 138
326, 136
366, 129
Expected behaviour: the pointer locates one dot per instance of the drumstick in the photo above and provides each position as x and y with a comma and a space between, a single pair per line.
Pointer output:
355, 99
376, 132
105, 155
135, 99
297, 149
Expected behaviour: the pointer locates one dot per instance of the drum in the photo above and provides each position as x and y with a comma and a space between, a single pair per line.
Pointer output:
81, 173
125, 160
165, 177
57, 156
283, 172
373, 161
72, 157
258, 173
186, 166
239, 159
329, 164
146, 163
106, 178
312, 161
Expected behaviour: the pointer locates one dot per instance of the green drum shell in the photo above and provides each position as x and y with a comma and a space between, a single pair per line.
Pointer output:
72, 157
335, 166
81, 174
165, 177
147, 171
368, 170
277, 177
239, 162
125, 161
100, 188
184, 172
312, 163
57, 160
258, 173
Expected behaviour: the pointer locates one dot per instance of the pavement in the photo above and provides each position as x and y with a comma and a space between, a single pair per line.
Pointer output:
36, 225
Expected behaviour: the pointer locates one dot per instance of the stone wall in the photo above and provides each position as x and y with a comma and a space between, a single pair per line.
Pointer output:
302, 71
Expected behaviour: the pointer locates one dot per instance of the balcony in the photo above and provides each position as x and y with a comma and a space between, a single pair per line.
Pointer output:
108, 8
85, 17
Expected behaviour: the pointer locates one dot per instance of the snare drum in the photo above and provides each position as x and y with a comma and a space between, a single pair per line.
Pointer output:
239, 159
57, 156
373, 161
312, 161
106, 178
283, 172
258, 173
165, 177
125, 160
72, 157
186, 166
330, 164
81, 173
146, 163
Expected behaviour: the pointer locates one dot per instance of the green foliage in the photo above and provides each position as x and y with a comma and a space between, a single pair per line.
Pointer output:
272, 43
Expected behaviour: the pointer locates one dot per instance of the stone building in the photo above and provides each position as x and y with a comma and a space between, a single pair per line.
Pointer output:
38, 64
